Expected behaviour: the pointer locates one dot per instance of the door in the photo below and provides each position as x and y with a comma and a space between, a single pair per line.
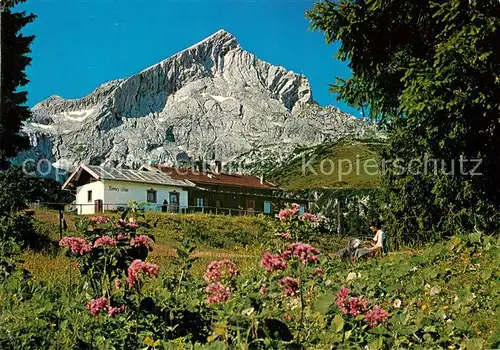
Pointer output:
250, 207
174, 202
97, 206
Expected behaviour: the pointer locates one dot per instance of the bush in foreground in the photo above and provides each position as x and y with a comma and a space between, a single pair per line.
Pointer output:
294, 297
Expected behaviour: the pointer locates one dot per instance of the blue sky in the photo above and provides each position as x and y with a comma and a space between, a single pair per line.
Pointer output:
82, 43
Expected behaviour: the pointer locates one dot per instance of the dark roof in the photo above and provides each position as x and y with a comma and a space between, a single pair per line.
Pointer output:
140, 176
211, 178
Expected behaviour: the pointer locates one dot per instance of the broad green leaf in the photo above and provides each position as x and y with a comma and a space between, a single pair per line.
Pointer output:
379, 330
461, 325
376, 344
323, 303
486, 274
408, 330
475, 344
338, 323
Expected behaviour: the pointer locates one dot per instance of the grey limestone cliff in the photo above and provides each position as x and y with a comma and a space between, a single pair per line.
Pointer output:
213, 100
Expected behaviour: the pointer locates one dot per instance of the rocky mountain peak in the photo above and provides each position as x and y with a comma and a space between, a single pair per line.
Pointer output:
213, 100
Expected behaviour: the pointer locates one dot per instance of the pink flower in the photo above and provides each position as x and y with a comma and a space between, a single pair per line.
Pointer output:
290, 286
77, 245
99, 219
217, 293
309, 217
375, 316
357, 306
118, 284
313, 259
137, 266
140, 240
126, 224
263, 289
113, 310
105, 241
272, 262
286, 214
286, 235
289, 213
76, 266
97, 305
304, 252
341, 300
121, 236
343, 293
318, 272
287, 316
218, 269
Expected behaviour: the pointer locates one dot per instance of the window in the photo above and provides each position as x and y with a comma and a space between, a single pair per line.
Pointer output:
267, 207
151, 196
199, 202
217, 203
89, 196
302, 209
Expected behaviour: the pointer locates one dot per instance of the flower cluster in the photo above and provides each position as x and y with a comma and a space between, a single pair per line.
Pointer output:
318, 272
137, 266
375, 316
95, 306
263, 289
305, 252
289, 213
309, 217
140, 240
78, 245
217, 293
286, 235
218, 269
342, 295
273, 262
118, 284
114, 310
358, 305
105, 241
290, 286
122, 236
286, 214
127, 224
99, 219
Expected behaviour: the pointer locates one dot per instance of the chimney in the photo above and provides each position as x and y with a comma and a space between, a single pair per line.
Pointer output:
199, 166
218, 166
261, 179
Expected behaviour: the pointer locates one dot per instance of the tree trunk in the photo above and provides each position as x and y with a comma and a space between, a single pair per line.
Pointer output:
1, 87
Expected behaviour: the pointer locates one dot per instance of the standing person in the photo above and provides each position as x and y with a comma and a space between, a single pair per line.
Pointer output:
379, 239
164, 206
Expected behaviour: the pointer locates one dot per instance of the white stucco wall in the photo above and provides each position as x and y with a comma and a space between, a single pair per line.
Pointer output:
82, 204
116, 194
119, 193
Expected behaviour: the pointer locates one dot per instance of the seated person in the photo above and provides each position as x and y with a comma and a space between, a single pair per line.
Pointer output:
378, 240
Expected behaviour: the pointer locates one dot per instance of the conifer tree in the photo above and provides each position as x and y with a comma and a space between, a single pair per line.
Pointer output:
14, 50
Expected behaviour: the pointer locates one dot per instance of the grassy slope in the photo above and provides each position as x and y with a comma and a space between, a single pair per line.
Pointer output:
449, 290
214, 236
292, 177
